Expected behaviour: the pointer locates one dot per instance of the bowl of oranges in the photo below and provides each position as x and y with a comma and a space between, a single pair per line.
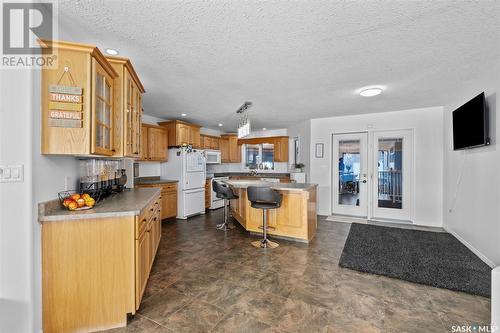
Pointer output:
76, 201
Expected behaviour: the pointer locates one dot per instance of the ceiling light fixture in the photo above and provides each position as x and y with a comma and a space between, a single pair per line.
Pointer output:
371, 91
112, 52
183, 114
263, 128
220, 125
243, 121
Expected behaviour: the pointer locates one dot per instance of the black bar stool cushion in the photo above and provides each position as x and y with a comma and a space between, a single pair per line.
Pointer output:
264, 197
223, 191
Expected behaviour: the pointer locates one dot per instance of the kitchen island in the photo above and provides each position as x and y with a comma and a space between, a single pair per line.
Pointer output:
296, 218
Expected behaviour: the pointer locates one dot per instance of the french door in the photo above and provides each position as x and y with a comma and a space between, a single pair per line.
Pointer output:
392, 175
350, 174
372, 174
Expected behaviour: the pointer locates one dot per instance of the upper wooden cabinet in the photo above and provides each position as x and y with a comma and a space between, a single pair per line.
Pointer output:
180, 133
280, 145
154, 143
78, 102
128, 104
230, 148
209, 142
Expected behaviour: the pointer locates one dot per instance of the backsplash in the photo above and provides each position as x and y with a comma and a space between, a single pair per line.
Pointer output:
279, 167
149, 169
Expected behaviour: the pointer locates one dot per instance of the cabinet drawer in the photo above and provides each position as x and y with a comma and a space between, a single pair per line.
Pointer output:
143, 219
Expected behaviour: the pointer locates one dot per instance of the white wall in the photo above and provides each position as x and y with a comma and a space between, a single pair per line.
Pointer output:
472, 182
302, 131
427, 125
17, 293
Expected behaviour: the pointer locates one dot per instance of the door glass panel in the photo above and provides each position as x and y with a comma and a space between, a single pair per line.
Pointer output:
390, 173
99, 110
349, 157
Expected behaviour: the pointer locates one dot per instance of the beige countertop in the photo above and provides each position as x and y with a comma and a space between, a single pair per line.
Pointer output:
127, 203
276, 186
153, 181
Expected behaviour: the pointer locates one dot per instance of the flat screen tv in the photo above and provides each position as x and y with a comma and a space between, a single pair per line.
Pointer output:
470, 124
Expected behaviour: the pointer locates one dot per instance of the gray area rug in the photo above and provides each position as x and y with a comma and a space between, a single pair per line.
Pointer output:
432, 258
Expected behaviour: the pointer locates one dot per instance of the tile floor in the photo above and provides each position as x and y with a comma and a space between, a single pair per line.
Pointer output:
206, 280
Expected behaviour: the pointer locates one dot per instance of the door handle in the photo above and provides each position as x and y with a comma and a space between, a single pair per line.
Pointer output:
364, 181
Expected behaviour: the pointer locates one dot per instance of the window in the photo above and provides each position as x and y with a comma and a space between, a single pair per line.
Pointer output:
259, 156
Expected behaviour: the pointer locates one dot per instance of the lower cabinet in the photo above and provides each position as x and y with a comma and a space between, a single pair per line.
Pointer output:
146, 246
95, 270
168, 199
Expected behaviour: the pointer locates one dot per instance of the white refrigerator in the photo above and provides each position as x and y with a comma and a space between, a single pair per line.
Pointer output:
189, 168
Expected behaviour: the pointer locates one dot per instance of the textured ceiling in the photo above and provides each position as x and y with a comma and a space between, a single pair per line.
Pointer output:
295, 60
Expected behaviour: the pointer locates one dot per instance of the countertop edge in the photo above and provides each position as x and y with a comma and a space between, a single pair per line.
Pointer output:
53, 218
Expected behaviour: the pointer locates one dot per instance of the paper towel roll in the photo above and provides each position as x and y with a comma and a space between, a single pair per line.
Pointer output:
495, 298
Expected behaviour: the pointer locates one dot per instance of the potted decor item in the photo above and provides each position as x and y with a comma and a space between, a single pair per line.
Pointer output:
299, 167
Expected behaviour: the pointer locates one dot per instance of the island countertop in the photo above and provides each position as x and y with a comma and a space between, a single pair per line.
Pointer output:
244, 183
127, 203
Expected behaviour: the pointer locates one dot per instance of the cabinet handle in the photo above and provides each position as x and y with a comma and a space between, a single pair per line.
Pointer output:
152, 209
113, 150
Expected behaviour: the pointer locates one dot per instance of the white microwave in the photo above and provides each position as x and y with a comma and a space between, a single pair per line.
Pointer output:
213, 157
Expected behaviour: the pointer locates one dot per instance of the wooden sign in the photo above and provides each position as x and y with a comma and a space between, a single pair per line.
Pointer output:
65, 106
65, 90
67, 123
65, 115
65, 98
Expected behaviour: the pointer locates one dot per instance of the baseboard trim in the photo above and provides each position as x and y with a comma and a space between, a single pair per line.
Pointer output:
469, 246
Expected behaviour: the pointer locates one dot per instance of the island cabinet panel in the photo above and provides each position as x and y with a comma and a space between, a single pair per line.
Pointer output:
128, 101
77, 102
182, 133
296, 218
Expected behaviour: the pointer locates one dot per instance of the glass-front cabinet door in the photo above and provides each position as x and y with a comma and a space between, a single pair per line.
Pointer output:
102, 111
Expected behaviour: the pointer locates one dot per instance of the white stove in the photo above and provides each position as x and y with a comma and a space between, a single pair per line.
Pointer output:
215, 202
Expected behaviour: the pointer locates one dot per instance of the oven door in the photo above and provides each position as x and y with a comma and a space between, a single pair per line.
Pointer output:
213, 157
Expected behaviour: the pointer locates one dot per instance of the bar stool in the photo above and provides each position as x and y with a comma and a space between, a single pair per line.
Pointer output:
264, 198
223, 191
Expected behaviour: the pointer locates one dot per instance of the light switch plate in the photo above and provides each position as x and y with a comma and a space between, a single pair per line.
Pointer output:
12, 174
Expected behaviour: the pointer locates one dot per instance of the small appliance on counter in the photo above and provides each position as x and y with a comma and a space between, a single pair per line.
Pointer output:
102, 177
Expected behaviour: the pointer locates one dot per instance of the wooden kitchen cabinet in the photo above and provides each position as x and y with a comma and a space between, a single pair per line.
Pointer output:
95, 270
78, 102
168, 198
128, 101
281, 149
280, 145
208, 193
230, 148
209, 142
154, 143
180, 133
